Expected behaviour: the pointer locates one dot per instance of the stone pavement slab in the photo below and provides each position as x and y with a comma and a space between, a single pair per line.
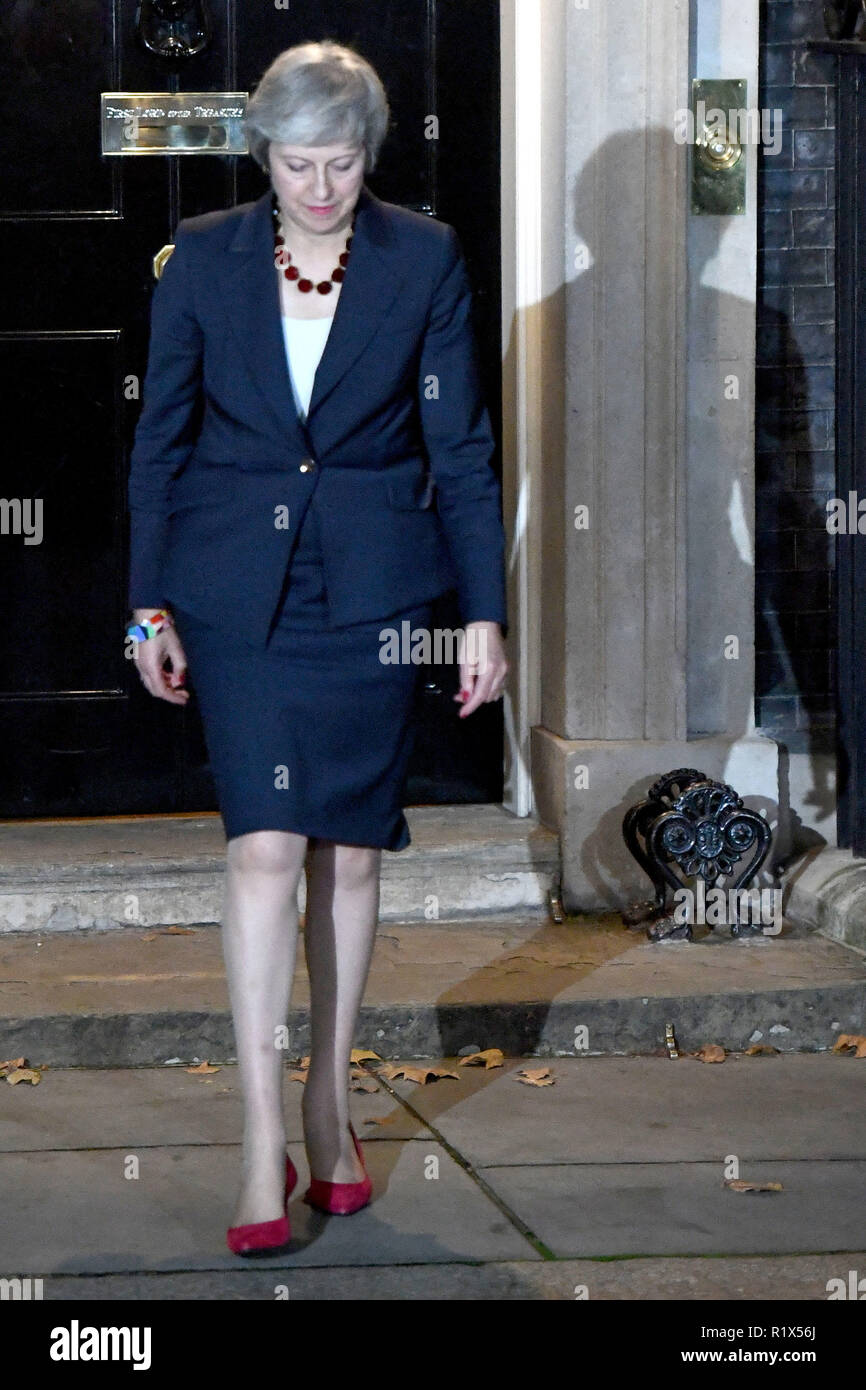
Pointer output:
147, 1107
609, 1110
685, 1209
619, 1157
599, 1109
77, 1212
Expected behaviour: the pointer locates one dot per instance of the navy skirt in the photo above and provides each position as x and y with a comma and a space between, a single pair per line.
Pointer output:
313, 733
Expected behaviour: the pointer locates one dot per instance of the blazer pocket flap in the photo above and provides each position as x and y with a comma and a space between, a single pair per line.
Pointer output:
411, 494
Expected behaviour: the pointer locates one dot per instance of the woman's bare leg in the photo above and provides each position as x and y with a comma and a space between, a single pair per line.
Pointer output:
342, 914
260, 934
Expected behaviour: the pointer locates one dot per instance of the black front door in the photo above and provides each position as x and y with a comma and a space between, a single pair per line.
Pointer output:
78, 232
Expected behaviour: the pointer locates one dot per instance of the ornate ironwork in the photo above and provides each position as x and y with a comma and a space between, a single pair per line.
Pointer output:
691, 827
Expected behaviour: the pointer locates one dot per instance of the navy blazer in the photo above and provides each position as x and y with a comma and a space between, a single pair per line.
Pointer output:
395, 448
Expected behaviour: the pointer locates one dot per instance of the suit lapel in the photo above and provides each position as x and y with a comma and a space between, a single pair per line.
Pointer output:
251, 298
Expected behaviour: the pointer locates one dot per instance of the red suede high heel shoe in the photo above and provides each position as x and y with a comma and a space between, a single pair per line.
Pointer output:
341, 1198
264, 1237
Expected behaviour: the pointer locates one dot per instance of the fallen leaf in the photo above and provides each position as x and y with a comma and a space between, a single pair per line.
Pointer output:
490, 1057
11, 1066
741, 1185
362, 1054
851, 1040
534, 1076
423, 1075
202, 1069
297, 1076
761, 1050
363, 1083
23, 1074
710, 1052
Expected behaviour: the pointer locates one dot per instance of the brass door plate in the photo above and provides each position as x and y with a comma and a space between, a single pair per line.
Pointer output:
721, 126
142, 123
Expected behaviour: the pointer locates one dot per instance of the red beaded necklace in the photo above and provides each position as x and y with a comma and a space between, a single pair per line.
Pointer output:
283, 258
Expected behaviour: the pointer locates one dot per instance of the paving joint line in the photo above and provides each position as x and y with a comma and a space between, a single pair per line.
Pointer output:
517, 1222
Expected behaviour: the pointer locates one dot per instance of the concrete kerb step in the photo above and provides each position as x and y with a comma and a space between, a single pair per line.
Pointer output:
531, 987
69, 875
825, 889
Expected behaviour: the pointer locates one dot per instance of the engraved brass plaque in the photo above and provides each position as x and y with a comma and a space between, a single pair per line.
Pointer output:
173, 122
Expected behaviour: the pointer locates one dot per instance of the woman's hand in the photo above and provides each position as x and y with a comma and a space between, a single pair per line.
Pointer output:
483, 668
150, 656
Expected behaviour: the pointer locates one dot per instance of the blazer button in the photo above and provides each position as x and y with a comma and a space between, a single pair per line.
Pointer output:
307, 466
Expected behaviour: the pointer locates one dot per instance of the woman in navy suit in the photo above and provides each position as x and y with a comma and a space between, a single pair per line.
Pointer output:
311, 468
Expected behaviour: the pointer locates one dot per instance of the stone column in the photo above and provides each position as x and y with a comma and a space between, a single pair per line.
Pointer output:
647, 507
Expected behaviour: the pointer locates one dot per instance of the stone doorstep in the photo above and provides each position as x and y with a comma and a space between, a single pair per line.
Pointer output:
68, 875
530, 987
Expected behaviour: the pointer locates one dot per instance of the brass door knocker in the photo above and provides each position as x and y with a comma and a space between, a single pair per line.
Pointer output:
173, 29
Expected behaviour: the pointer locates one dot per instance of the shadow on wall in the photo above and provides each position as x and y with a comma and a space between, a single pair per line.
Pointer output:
720, 537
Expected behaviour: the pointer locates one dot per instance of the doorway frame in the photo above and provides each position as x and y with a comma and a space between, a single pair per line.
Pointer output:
532, 84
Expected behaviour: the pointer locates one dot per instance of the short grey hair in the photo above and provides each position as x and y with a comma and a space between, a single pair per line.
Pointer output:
317, 94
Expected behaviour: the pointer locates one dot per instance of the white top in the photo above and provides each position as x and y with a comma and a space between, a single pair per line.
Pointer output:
305, 342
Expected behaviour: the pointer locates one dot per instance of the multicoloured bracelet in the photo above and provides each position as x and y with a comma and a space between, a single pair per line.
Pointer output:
149, 627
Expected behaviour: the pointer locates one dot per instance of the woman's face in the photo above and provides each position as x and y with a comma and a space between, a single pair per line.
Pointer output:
317, 185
